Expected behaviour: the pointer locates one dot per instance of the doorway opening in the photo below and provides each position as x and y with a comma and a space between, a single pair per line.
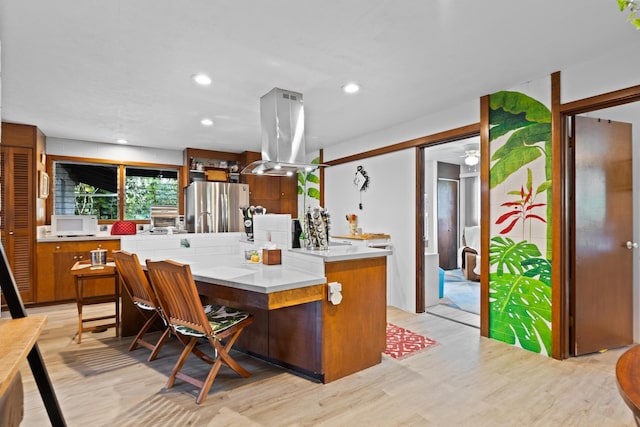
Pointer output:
451, 203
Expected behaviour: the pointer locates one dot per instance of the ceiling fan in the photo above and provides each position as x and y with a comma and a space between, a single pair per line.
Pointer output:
471, 157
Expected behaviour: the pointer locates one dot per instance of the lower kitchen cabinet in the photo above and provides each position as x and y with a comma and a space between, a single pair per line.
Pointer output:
55, 259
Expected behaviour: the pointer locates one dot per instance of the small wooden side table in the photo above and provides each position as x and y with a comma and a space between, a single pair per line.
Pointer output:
627, 374
17, 338
83, 270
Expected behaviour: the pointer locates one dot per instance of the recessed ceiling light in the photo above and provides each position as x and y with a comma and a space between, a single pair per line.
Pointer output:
206, 122
351, 87
202, 79
121, 141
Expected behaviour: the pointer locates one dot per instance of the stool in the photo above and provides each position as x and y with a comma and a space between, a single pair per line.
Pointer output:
83, 270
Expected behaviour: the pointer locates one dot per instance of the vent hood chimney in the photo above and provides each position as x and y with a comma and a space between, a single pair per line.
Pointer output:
283, 145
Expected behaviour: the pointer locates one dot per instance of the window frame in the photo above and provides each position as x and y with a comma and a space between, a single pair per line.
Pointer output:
121, 166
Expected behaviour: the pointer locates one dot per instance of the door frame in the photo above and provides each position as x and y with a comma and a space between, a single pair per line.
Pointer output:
561, 265
452, 135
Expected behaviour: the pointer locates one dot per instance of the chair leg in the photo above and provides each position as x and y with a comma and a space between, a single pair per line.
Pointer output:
183, 357
138, 339
159, 344
206, 385
223, 358
223, 354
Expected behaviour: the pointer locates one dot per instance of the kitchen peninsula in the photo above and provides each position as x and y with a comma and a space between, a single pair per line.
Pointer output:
296, 325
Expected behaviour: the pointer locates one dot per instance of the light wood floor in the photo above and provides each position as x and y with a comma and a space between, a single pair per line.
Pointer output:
466, 380
463, 317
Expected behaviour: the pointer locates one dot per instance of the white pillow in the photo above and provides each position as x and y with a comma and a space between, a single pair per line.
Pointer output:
472, 237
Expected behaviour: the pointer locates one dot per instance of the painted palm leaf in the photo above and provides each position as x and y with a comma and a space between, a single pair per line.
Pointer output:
508, 256
517, 103
503, 122
539, 268
520, 311
519, 150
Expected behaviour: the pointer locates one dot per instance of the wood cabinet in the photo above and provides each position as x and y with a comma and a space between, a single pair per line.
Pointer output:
222, 166
276, 194
55, 259
19, 202
354, 332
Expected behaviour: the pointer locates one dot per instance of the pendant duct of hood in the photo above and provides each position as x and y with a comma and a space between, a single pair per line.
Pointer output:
283, 145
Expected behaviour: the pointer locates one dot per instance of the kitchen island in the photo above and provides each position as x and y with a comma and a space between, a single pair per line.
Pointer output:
295, 326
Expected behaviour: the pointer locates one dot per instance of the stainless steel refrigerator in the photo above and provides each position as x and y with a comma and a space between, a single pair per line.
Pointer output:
215, 207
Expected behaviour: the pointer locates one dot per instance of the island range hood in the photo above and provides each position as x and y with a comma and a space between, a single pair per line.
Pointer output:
283, 145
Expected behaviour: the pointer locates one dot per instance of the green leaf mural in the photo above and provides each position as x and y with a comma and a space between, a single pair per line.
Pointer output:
508, 255
520, 310
530, 129
520, 280
538, 268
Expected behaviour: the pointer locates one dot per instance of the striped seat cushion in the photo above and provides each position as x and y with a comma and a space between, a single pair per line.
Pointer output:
220, 318
144, 306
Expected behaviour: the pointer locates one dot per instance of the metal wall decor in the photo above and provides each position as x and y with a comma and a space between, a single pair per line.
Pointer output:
361, 182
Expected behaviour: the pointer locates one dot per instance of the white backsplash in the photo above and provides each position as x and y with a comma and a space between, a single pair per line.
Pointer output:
272, 229
188, 247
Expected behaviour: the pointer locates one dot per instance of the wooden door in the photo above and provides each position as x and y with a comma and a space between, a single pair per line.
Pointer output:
448, 223
602, 302
16, 216
289, 195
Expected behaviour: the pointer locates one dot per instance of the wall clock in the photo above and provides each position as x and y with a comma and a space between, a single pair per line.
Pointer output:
361, 181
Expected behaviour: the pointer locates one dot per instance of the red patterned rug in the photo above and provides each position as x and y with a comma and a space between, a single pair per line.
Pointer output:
402, 342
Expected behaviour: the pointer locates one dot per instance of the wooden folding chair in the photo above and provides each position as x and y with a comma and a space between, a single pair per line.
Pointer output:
219, 325
144, 298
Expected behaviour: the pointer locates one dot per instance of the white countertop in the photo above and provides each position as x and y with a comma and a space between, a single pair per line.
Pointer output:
255, 277
52, 238
345, 252
218, 258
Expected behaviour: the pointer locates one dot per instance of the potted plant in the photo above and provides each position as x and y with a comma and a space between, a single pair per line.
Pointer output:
633, 6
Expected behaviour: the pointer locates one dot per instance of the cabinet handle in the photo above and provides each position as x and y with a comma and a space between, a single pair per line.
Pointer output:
57, 247
75, 257
11, 233
80, 257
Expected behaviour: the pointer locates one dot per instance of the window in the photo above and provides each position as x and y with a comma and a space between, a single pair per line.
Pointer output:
112, 191
148, 187
86, 189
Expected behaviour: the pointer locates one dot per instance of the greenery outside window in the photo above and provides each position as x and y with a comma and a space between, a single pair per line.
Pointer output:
112, 191
146, 187
86, 189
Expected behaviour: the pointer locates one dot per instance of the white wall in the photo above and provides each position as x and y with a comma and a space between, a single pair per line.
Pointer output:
612, 70
389, 204
387, 207
460, 115
97, 150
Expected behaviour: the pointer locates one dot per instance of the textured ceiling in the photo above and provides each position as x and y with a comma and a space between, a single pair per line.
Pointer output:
101, 70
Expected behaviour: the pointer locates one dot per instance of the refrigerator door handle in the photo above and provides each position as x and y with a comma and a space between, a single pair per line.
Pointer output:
224, 205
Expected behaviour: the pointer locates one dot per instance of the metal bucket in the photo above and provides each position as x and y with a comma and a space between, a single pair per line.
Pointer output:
98, 257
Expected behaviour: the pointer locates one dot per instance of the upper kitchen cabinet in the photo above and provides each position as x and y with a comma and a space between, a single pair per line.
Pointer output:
208, 165
24, 186
276, 194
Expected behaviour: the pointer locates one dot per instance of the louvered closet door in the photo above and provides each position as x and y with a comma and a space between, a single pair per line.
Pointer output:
16, 227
